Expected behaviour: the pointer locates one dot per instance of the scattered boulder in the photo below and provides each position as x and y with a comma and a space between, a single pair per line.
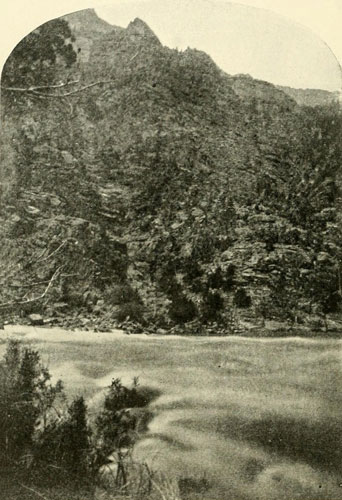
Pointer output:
161, 331
84, 321
334, 326
272, 325
97, 309
36, 319
60, 306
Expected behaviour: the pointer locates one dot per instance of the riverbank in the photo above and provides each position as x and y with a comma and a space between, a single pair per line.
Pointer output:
312, 326
57, 334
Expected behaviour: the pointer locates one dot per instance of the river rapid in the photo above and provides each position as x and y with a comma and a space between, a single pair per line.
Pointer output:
259, 418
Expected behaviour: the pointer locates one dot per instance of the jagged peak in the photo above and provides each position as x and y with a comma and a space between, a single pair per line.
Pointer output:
140, 28
138, 23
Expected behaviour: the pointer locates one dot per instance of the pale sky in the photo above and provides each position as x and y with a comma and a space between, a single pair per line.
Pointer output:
281, 41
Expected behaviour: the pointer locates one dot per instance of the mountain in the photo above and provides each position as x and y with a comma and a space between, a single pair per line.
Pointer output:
248, 88
151, 185
87, 23
87, 28
139, 30
311, 97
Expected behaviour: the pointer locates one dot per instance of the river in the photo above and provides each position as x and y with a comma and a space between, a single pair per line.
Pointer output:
260, 418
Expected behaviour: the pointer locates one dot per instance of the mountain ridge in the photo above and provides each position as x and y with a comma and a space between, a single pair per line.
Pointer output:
86, 25
172, 193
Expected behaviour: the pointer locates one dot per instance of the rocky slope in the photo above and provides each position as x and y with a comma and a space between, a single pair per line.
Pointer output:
160, 190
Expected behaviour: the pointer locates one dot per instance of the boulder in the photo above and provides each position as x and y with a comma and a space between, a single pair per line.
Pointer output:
36, 319
60, 306
161, 331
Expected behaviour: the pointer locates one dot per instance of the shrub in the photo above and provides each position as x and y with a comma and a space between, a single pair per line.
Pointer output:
115, 425
26, 399
212, 306
181, 309
131, 310
120, 294
241, 299
63, 448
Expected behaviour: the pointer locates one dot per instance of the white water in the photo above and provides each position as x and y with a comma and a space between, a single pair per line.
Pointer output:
247, 413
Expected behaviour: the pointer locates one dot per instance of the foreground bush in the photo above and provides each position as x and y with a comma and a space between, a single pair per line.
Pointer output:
43, 437
49, 449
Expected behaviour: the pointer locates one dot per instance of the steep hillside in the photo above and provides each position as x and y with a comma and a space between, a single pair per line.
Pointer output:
152, 186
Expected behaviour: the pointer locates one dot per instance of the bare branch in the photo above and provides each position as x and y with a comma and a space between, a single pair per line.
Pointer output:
33, 90
30, 285
57, 86
15, 89
135, 55
39, 257
35, 299
54, 252
69, 275
40, 87
101, 82
33, 491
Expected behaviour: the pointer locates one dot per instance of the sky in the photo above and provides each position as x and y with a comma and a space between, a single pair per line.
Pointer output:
285, 42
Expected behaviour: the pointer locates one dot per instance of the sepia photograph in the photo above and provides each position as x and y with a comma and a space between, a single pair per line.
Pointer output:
171, 250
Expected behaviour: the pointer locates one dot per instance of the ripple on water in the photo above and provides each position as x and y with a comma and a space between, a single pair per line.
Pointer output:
260, 417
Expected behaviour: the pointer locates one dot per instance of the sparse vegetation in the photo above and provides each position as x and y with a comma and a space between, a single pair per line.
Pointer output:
166, 194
